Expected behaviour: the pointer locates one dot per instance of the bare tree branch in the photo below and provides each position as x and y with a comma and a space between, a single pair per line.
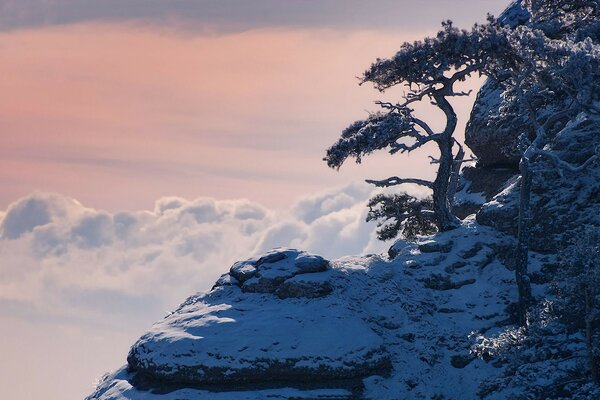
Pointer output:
563, 165
420, 141
424, 126
462, 93
394, 181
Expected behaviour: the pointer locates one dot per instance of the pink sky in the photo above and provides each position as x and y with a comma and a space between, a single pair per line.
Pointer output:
118, 115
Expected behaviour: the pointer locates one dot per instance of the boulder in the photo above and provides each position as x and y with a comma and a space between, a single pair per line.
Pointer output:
490, 136
305, 285
433, 246
267, 273
232, 337
241, 333
398, 247
243, 270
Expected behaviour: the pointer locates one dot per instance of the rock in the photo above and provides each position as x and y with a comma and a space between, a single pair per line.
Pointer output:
493, 138
259, 284
443, 282
461, 360
306, 285
243, 270
489, 181
270, 275
335, 334
478, 185
514, 15
307, 263
502, 211
267, 273
226, 280
228, 337
125, 385
240, 333
471, 252
433, 246
454, 266
559, 204
397, 248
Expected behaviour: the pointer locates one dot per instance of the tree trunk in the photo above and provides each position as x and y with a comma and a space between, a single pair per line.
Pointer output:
524, 233
589, 334
446, 220
453, 186
441, 206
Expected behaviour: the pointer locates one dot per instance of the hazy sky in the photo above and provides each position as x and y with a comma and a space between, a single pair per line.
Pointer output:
117, 104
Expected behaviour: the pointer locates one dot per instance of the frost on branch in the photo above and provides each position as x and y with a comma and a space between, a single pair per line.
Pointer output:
377, 132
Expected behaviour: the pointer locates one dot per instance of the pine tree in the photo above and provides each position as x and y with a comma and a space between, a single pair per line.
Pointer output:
428, 70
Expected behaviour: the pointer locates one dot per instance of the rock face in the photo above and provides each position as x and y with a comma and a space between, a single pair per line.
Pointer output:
491, 137
562, 200
379, 330
242, 332
479, 185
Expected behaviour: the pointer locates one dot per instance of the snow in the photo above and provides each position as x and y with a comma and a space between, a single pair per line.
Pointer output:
376, 304
229, 329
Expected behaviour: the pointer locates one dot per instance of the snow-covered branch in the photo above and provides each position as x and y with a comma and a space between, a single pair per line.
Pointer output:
394, 181
563, 165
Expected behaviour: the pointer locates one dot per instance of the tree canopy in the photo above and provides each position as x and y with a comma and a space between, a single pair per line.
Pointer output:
428, 71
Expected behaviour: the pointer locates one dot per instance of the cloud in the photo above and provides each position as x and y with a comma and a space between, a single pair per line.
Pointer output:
36, 210
76, 281
238, 15
66, 260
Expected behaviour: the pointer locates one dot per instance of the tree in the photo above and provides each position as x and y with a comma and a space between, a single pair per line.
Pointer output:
558, 18
409, 216
428, 70
561, 78
577, 286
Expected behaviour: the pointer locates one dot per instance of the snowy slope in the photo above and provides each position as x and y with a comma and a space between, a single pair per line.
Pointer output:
424, 308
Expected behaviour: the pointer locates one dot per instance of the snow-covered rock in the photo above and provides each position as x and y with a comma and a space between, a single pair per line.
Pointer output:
383, 330
243, 333
562, 200
273, 273
492, 138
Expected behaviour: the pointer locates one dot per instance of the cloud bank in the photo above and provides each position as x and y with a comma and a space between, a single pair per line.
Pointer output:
81, 284
63, 260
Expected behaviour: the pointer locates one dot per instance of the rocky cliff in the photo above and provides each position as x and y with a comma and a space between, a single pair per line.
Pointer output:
403, 325
292, 325
433, 319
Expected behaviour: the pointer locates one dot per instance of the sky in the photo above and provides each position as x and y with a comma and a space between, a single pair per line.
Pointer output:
146, 145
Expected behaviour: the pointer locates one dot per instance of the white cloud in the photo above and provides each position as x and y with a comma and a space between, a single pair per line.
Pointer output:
61, 258
78, 281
